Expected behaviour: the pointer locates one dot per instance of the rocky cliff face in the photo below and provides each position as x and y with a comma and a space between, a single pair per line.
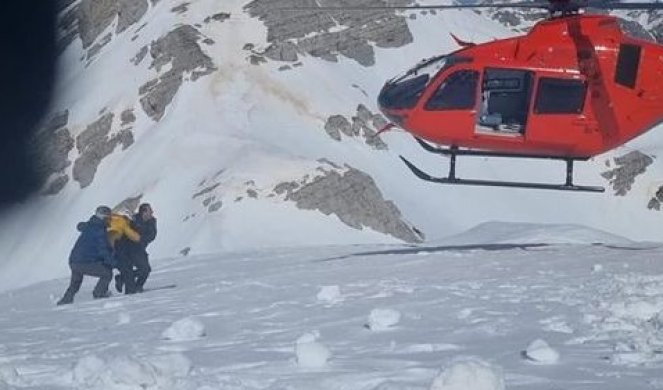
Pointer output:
183, 54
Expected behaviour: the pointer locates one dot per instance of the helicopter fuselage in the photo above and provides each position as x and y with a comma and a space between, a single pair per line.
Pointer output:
574, 86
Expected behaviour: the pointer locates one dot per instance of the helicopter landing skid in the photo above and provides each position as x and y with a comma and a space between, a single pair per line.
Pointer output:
453, 152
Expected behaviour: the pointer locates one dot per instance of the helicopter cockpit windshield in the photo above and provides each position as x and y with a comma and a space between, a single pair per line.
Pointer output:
403, 91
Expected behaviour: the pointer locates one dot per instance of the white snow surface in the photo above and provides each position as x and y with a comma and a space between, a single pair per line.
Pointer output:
467, 313
472, 374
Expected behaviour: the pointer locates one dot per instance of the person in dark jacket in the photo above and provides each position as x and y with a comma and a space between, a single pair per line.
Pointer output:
92, 255
145, 224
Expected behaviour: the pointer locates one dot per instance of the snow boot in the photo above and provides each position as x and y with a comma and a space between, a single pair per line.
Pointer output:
65, 301
106, 294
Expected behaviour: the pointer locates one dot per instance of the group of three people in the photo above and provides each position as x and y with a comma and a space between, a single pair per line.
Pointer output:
108, 241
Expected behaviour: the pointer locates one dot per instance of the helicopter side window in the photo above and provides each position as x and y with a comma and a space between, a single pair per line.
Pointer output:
628, 63
560, 96
505, 97
457, 92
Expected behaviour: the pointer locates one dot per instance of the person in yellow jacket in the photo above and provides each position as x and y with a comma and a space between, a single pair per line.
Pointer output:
119, 228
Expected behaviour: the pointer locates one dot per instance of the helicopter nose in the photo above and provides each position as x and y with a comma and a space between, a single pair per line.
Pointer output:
390, 103
401, 95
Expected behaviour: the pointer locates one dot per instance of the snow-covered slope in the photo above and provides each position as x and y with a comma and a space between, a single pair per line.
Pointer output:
368, 317
247, 127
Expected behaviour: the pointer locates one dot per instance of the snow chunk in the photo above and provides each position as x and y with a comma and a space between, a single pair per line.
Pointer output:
185, 329
8, 376
539, 351
330, 294
130, 372
310, 353
87, 370
123, 319
175, 364
469, 373
383, 319
597, 268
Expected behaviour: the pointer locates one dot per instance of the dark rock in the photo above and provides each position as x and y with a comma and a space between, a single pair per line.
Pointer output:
206, 190
286, 187
56, 185
335, 125
130, 12
92, 51
327, 34
158, 97
94, 16
179, 48
207, 201
219, 17
355, 199
629, 167
128, 117
180, 9
216, 206
51, 146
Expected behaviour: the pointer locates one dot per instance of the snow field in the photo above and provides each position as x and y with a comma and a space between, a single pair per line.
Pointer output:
457, 317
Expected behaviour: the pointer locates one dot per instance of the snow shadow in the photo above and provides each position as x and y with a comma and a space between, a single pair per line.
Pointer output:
441, 248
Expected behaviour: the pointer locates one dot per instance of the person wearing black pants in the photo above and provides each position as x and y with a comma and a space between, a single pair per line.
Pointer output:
91, 255
145, 224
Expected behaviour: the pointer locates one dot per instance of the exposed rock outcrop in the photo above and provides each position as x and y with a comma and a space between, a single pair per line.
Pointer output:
88, 19
328, 34
94, 144
181, 50
53, 142
364, 124
95, 16
218, 17
629, 166
353, 197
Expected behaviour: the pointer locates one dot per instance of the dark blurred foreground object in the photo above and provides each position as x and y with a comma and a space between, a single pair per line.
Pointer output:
27, 39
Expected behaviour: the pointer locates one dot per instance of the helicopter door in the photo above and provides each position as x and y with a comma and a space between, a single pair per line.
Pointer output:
505, 96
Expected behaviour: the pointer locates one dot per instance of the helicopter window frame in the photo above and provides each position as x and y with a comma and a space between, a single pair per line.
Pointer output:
560, 96
466, 101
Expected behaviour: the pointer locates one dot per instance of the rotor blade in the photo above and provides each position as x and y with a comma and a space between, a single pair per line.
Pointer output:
627, 6
524, 4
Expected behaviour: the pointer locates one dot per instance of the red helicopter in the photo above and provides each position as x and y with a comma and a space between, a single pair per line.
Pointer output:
575, 86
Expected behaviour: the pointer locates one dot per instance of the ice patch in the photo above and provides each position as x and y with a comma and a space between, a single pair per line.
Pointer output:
469, 373
383, 319
330, 295
539, 351
185, 329
311, 353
